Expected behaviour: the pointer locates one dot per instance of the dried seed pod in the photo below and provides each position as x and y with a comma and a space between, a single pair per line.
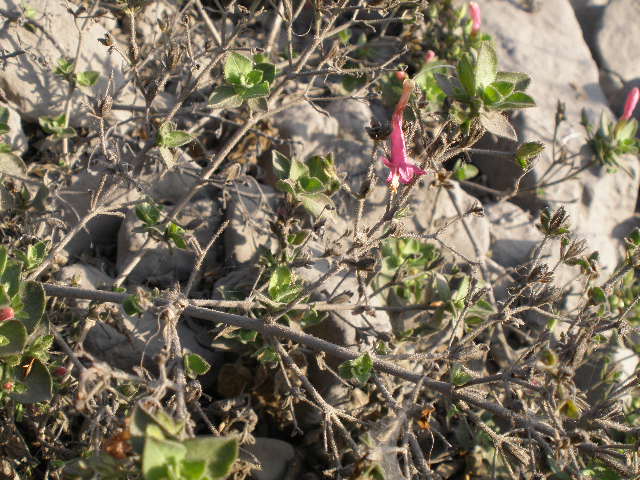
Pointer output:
107, 41
104, 106
378, 131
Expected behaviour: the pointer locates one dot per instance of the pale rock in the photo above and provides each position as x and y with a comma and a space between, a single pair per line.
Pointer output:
614, 358
84, 276
599, 201
147, 27
160, 264
617, 42
250, 208
430, 210
310, 130
15, 137
513, 233
102, 230
275, 457
27, 80
353, 116
132, 341
346, 328
135, 341
589, 13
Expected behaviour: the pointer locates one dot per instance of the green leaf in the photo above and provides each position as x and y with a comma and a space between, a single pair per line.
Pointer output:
466, 76
353, 82
298, 238
359, 368
486, 65
65, 67
323, 168
570, 409
156, 455
236, 68
38, 384
193, 469
279, 282
459, 375
195, 365
40, 347
281, 165
311, 318
520, 80
245, 336
496, 123
88, 78
297, 170
225, 97
34, 256
254, 77
258, 104
219, 453
597, 295
259, 90
67, 132
170, 138
148, 213
4, 128
464, 171
491, 95
57, 126
267, 354
345, 36
317, 204
4, 256
311, 184
527, 152
4, 115
268, 71
503, 88
11, 277
286, 186
131, 306
449, 85
462, 291
33, 301
29, 11
176, 234
517, 100
16, 333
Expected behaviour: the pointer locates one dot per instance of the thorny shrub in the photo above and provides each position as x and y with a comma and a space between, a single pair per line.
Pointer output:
468, 383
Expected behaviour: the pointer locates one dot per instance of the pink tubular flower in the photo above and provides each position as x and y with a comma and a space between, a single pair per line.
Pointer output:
630, 104
402, 168
430, 55
6, 313
476, 18
400, 75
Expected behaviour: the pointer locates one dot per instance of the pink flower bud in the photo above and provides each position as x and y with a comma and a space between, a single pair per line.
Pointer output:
6, 313
430, 55
476, 18
400, 75
630, 104
8, 386
60, 372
